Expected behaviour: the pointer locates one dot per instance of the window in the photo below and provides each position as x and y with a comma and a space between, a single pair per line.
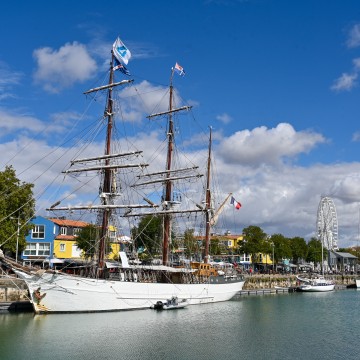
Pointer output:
38, 232
30, 249
63, 230
43, 249
62, 247
76, 231
245, 257
37, 249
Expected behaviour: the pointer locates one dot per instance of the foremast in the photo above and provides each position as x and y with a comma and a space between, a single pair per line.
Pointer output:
108, 186
107, 181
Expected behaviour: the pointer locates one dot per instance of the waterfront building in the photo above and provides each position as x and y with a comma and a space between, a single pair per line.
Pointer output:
53, 240
66, 231
228, 244
342, 261
39, 242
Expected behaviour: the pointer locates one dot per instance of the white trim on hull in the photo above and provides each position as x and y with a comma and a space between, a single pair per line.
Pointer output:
67, 293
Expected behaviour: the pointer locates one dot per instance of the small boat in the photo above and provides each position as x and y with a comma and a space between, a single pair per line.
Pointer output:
357, 283
315, 284
170, 304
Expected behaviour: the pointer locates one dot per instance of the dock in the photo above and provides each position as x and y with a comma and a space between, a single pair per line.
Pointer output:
280, 290
267, 291
16, 306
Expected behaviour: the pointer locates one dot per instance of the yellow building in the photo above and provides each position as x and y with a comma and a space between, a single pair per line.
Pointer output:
65, 246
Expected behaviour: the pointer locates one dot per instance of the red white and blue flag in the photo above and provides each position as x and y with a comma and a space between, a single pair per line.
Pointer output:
236, 204
119, 66
179, 69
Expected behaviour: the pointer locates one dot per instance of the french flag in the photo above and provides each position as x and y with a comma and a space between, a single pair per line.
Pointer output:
236, 204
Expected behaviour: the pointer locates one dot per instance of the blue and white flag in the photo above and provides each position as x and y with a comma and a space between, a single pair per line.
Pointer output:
121, 52
119, 66
179, 69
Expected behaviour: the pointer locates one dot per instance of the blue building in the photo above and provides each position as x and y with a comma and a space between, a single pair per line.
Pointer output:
39, 242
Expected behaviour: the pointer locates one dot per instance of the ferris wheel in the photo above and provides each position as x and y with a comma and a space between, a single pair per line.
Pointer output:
327, 224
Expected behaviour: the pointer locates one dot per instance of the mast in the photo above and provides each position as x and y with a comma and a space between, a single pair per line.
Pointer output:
106, 187
168, 183
208, 204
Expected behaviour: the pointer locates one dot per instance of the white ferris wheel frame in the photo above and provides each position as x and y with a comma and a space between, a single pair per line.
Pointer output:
327, 223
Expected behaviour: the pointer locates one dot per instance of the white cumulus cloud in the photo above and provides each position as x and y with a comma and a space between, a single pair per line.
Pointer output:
262, 145
58, 69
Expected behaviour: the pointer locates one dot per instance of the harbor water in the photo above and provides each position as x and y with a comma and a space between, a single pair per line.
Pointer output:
277, 326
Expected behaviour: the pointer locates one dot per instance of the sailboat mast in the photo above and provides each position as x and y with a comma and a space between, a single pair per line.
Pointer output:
168, 184
208, 204
106, 188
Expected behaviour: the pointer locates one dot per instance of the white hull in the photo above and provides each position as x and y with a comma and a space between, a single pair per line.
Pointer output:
68, 293
316, 288
358, 283
317, 284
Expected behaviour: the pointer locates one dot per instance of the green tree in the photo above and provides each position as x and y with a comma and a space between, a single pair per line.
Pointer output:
87, 240
17, 206
282, 248
216, 247
253, 243
190, 243
149, 234
299, 249
314, 251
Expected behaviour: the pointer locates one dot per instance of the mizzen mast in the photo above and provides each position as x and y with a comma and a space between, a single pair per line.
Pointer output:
208, 204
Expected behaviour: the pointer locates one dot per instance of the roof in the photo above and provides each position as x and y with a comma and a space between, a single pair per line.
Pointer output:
65, 237
345, 255
71, 223
220, 237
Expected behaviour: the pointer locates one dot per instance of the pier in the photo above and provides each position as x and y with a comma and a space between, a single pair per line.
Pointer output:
266, 291
279, 290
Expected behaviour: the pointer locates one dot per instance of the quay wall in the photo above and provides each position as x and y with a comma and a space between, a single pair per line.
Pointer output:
263, 281
12, 289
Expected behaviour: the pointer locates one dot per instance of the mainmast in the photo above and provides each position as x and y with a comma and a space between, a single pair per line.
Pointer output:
208, 204
169, 175
168, 184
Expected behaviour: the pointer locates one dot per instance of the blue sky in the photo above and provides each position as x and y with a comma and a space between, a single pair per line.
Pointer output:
277, 80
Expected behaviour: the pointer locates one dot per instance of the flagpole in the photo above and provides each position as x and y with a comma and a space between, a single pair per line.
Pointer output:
172, 76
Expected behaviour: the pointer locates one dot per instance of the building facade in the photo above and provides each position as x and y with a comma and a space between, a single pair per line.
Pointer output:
52, 240
39, 242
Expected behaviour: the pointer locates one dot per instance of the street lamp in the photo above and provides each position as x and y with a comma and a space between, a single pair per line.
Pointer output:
17, 236
273, 258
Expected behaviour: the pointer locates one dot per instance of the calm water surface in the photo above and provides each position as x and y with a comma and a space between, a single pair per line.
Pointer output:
283, 326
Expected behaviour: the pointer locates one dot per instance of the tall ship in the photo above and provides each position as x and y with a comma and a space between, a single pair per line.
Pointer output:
103, 285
